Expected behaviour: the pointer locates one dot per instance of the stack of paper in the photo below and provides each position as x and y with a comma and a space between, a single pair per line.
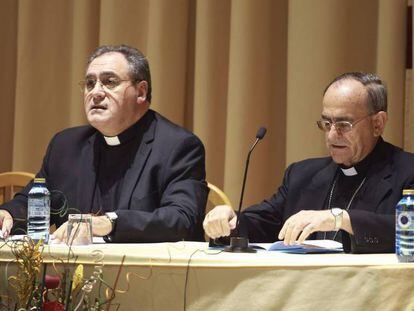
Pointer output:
308, 247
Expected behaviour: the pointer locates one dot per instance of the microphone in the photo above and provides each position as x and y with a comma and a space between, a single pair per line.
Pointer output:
240, 244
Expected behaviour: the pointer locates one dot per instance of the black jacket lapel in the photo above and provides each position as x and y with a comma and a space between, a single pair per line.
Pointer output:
134, 172
314, 196
378, 185
87, 174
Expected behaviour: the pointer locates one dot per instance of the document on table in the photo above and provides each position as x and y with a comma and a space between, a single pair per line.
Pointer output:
308, 247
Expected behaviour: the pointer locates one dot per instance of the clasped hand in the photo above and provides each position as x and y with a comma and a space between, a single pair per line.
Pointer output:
79, 234
220, 221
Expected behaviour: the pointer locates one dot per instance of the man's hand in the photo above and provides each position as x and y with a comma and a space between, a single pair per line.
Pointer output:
80, 234
101, 226
6, 223
298, 227
220, 221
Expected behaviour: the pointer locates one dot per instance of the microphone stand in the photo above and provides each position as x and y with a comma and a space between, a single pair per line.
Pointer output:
240, 244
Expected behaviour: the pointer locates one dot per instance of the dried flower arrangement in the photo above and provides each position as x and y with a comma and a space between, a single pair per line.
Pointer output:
66, 289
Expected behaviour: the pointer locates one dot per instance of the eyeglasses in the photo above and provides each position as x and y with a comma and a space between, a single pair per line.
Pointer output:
109, 83
340, 126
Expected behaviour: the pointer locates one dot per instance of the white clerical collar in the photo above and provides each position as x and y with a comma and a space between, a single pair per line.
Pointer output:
112, 140
349, 171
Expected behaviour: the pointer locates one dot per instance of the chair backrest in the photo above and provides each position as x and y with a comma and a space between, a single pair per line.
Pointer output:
216, 197
11, 183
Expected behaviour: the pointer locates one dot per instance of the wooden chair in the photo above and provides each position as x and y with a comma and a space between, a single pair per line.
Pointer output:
11, 183
215, 197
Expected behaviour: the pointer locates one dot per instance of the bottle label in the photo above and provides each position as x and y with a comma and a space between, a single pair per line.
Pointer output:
38, 212
404, 229
38, 207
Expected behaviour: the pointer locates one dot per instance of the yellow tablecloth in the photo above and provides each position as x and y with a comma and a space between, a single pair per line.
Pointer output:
226, 281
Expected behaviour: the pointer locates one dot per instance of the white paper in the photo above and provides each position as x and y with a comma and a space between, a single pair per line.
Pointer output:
308, 246
19, 237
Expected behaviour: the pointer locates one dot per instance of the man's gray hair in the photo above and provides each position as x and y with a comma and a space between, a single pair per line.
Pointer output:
377, 92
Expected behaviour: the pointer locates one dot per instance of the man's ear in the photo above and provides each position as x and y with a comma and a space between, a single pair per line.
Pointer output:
142, 89
379, 121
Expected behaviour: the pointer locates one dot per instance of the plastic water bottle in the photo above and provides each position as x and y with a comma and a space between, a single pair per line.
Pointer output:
38, 211
404, 227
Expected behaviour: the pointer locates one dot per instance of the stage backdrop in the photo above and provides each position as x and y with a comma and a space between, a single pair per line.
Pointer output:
220, 68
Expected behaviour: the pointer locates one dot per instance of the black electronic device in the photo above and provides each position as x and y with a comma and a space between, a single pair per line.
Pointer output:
240, 244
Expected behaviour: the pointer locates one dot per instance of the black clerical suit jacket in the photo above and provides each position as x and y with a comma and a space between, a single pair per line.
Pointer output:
164, 191
306, 186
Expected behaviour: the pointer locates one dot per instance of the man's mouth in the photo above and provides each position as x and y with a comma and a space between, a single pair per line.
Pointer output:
338, 146
98, 107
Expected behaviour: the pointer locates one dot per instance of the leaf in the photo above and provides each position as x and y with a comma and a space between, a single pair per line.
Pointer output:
77, 277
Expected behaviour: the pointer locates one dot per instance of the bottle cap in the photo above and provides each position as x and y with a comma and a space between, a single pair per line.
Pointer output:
40, 180
408, 192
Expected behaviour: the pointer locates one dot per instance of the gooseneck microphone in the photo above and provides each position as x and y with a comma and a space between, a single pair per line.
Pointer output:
240, 244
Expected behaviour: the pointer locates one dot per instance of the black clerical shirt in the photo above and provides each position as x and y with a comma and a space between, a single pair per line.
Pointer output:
113, 164
346, 188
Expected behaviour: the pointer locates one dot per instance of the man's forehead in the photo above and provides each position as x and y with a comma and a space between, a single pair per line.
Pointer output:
343, 111
338, 114
347, 90
109, 62
347, 97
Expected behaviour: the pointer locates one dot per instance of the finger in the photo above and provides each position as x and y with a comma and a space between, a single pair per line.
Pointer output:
56, 240
288, 232
221, 223
7, 226
213, 235
233, 222
282, 232
209, 227
228, 223
205, 222
206, 227
60, 234
225, 227
294, 233
5, 233
307, 231
86, 232
82, 236
6, 223
285, 231
216, 227
74, 233
70, 236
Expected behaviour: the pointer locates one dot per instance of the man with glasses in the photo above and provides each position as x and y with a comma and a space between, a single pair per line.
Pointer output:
141, 176
349, 196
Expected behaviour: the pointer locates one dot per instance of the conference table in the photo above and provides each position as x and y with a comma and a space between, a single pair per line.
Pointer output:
190, 276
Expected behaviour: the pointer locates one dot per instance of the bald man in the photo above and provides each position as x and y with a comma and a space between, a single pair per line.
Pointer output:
349, 196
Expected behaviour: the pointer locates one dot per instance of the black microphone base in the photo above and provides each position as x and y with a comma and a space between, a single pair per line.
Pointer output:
239, 245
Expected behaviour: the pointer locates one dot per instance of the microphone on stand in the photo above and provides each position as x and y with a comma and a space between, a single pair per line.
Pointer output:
240, 244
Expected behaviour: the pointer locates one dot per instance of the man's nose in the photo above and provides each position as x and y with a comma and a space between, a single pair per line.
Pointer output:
98, 92
98, 87
333, 132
